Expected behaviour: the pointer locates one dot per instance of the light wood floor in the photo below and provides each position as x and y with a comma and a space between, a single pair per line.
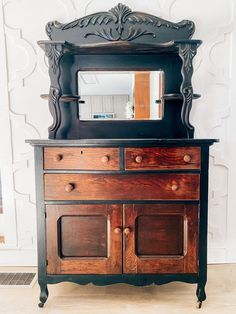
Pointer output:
116, 299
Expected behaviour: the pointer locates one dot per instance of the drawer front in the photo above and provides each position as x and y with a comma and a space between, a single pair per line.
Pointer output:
81, 158
161, 186
162, 158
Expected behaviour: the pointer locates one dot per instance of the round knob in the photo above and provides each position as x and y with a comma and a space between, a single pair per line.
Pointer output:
58, 157
69, 187
139, 159
117, 230
187, 158
174, 187
105, 159
127, 231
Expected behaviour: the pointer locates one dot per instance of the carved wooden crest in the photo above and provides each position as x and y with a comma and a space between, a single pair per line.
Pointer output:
120, 24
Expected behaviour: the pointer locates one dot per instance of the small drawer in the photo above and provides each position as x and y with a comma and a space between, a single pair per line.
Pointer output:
162, 186
155, 158
81, 158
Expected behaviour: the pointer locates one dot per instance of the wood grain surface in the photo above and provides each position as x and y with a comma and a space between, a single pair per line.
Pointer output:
162, 158
81, 158
57, 264
162, 186
161, 263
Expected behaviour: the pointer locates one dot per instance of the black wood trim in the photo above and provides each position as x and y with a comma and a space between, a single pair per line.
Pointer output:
136, 280
123, 171
41, 219
203, 219
122, 142
72, 202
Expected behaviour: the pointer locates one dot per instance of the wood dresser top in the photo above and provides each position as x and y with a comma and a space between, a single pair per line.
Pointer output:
123, 142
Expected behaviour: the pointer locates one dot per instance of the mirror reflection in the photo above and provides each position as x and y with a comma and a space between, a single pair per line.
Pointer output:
121, 95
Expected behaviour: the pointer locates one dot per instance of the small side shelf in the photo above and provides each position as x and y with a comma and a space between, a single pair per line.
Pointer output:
177, 96
65, 98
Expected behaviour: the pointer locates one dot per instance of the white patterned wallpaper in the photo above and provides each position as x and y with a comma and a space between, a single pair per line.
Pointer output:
24, 115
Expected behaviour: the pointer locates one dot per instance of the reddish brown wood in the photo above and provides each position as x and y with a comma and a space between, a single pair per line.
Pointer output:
162, 158
1, 209
122, 186
159, 234
81, 158
165, 261
71, 245
83, 236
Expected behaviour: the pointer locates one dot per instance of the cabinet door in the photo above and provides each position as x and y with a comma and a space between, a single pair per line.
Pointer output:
84, 239
160, 238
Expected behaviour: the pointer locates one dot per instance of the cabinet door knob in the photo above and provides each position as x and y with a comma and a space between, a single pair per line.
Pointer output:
117, 230
69, 187
105, 159
58, 157
139, 159
127, 231
187, 158
174, 187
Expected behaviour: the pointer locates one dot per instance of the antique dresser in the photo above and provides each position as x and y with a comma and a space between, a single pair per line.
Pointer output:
122, 185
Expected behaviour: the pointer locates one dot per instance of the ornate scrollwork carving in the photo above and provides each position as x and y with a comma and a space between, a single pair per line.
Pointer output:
54, 96
54, 53
120, 15
187, 52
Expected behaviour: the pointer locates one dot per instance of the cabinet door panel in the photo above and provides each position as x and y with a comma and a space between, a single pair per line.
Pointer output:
163, 238
81, 239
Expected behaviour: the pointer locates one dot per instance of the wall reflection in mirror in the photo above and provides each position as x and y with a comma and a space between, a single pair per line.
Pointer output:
121, 95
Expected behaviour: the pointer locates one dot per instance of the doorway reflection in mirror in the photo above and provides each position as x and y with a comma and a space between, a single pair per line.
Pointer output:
121, 95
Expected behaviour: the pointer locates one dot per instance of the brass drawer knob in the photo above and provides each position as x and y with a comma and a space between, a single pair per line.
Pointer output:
127, 231
187, 158
58, 157
139, 159
69, 187
174, 187
117, 230
105, 159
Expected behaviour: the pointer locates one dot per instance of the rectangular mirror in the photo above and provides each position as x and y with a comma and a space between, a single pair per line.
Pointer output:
121, 95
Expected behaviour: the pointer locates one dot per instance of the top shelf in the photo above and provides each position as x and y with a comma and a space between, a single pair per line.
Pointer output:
118, 47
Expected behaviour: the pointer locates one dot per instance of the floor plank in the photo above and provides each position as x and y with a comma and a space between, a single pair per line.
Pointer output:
167, 299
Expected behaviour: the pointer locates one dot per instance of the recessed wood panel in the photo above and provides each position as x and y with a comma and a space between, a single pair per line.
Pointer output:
88, 246
159, 235
162, 158
162, 186
81, 158
83, 236
184, 220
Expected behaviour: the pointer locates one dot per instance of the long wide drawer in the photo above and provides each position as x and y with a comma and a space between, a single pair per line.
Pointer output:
82, 158
162, 186
156, 158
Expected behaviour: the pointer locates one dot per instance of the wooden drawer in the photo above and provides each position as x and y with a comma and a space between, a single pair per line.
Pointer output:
81, 158
162, 158
161, 186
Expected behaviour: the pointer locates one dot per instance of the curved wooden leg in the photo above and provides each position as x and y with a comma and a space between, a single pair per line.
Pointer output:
43, 294
201, 295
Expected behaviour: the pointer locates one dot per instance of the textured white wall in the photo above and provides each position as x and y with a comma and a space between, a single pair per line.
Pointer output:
24, 115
